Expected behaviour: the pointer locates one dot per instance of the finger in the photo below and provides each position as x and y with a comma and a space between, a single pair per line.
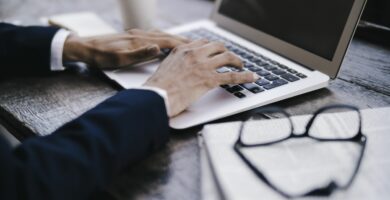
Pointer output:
165, 42
237, 78
224, 59
129, 57
212, 49
180, 38
158, 34
195, 44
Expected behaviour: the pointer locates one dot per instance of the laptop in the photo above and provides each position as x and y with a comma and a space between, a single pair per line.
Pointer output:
295, 46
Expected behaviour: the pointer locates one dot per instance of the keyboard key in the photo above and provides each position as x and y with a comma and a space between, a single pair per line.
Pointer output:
271, 77
255, 69
279, 72
263, 73
235, 69
292, 71
283, 66
248, 56
239, 95
238, 51
228, 46
248, 65
233, 49
166, 52
275, 84
234, 89
223, 70
257, 90
261, 63
270, 67
300, 75
280, 81
262, 82
290, 77
252, 87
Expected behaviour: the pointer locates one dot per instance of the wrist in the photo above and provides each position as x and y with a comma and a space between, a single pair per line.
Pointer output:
75, 50
174, 103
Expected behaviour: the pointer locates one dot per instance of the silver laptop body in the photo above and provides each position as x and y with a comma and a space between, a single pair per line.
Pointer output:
301, 45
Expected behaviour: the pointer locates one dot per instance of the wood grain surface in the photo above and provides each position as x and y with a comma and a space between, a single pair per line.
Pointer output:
41, 105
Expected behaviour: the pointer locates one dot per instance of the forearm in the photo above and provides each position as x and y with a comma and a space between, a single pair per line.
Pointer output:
85, 154
25, 50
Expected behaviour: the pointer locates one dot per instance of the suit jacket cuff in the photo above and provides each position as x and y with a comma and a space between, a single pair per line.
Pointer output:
160, 92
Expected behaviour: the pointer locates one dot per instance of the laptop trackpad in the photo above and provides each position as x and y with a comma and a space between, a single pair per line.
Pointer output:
133, 76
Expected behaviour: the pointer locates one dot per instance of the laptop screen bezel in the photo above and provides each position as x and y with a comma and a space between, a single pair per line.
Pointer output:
290, 51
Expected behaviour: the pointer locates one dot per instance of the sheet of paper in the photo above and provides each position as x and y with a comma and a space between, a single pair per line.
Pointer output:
301, 164
209, 186
83, 23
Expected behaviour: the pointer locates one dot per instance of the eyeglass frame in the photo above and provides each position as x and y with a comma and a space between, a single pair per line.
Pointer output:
359, 138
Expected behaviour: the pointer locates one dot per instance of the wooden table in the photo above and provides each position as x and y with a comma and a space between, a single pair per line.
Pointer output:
40, 105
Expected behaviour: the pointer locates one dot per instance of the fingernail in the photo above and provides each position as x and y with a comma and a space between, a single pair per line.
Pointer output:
256, 77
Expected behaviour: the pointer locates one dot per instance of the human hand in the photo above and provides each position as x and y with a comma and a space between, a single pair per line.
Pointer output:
119, 50
190, 71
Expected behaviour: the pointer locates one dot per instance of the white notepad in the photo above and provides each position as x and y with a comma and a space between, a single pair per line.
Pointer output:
223, 168
83, 23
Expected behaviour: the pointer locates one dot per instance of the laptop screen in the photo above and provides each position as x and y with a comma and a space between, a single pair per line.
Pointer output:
313, 25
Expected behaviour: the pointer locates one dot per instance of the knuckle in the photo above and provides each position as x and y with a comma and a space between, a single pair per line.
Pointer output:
231, 55
169, 41
219, 45
202, 41
233, 58
188, 52
193, 61
178, 49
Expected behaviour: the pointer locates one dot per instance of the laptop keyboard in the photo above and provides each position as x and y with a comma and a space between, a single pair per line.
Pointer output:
272, 73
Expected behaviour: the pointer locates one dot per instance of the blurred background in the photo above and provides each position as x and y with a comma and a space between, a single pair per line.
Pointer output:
375, 25
377, 11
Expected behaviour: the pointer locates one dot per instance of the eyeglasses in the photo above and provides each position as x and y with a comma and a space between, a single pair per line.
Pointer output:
322, 127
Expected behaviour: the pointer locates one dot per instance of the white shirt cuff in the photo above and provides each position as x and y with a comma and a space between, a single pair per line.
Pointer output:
160, 92
57, 48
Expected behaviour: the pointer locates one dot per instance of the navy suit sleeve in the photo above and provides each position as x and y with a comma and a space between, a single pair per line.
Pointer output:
85, 154
25, 50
